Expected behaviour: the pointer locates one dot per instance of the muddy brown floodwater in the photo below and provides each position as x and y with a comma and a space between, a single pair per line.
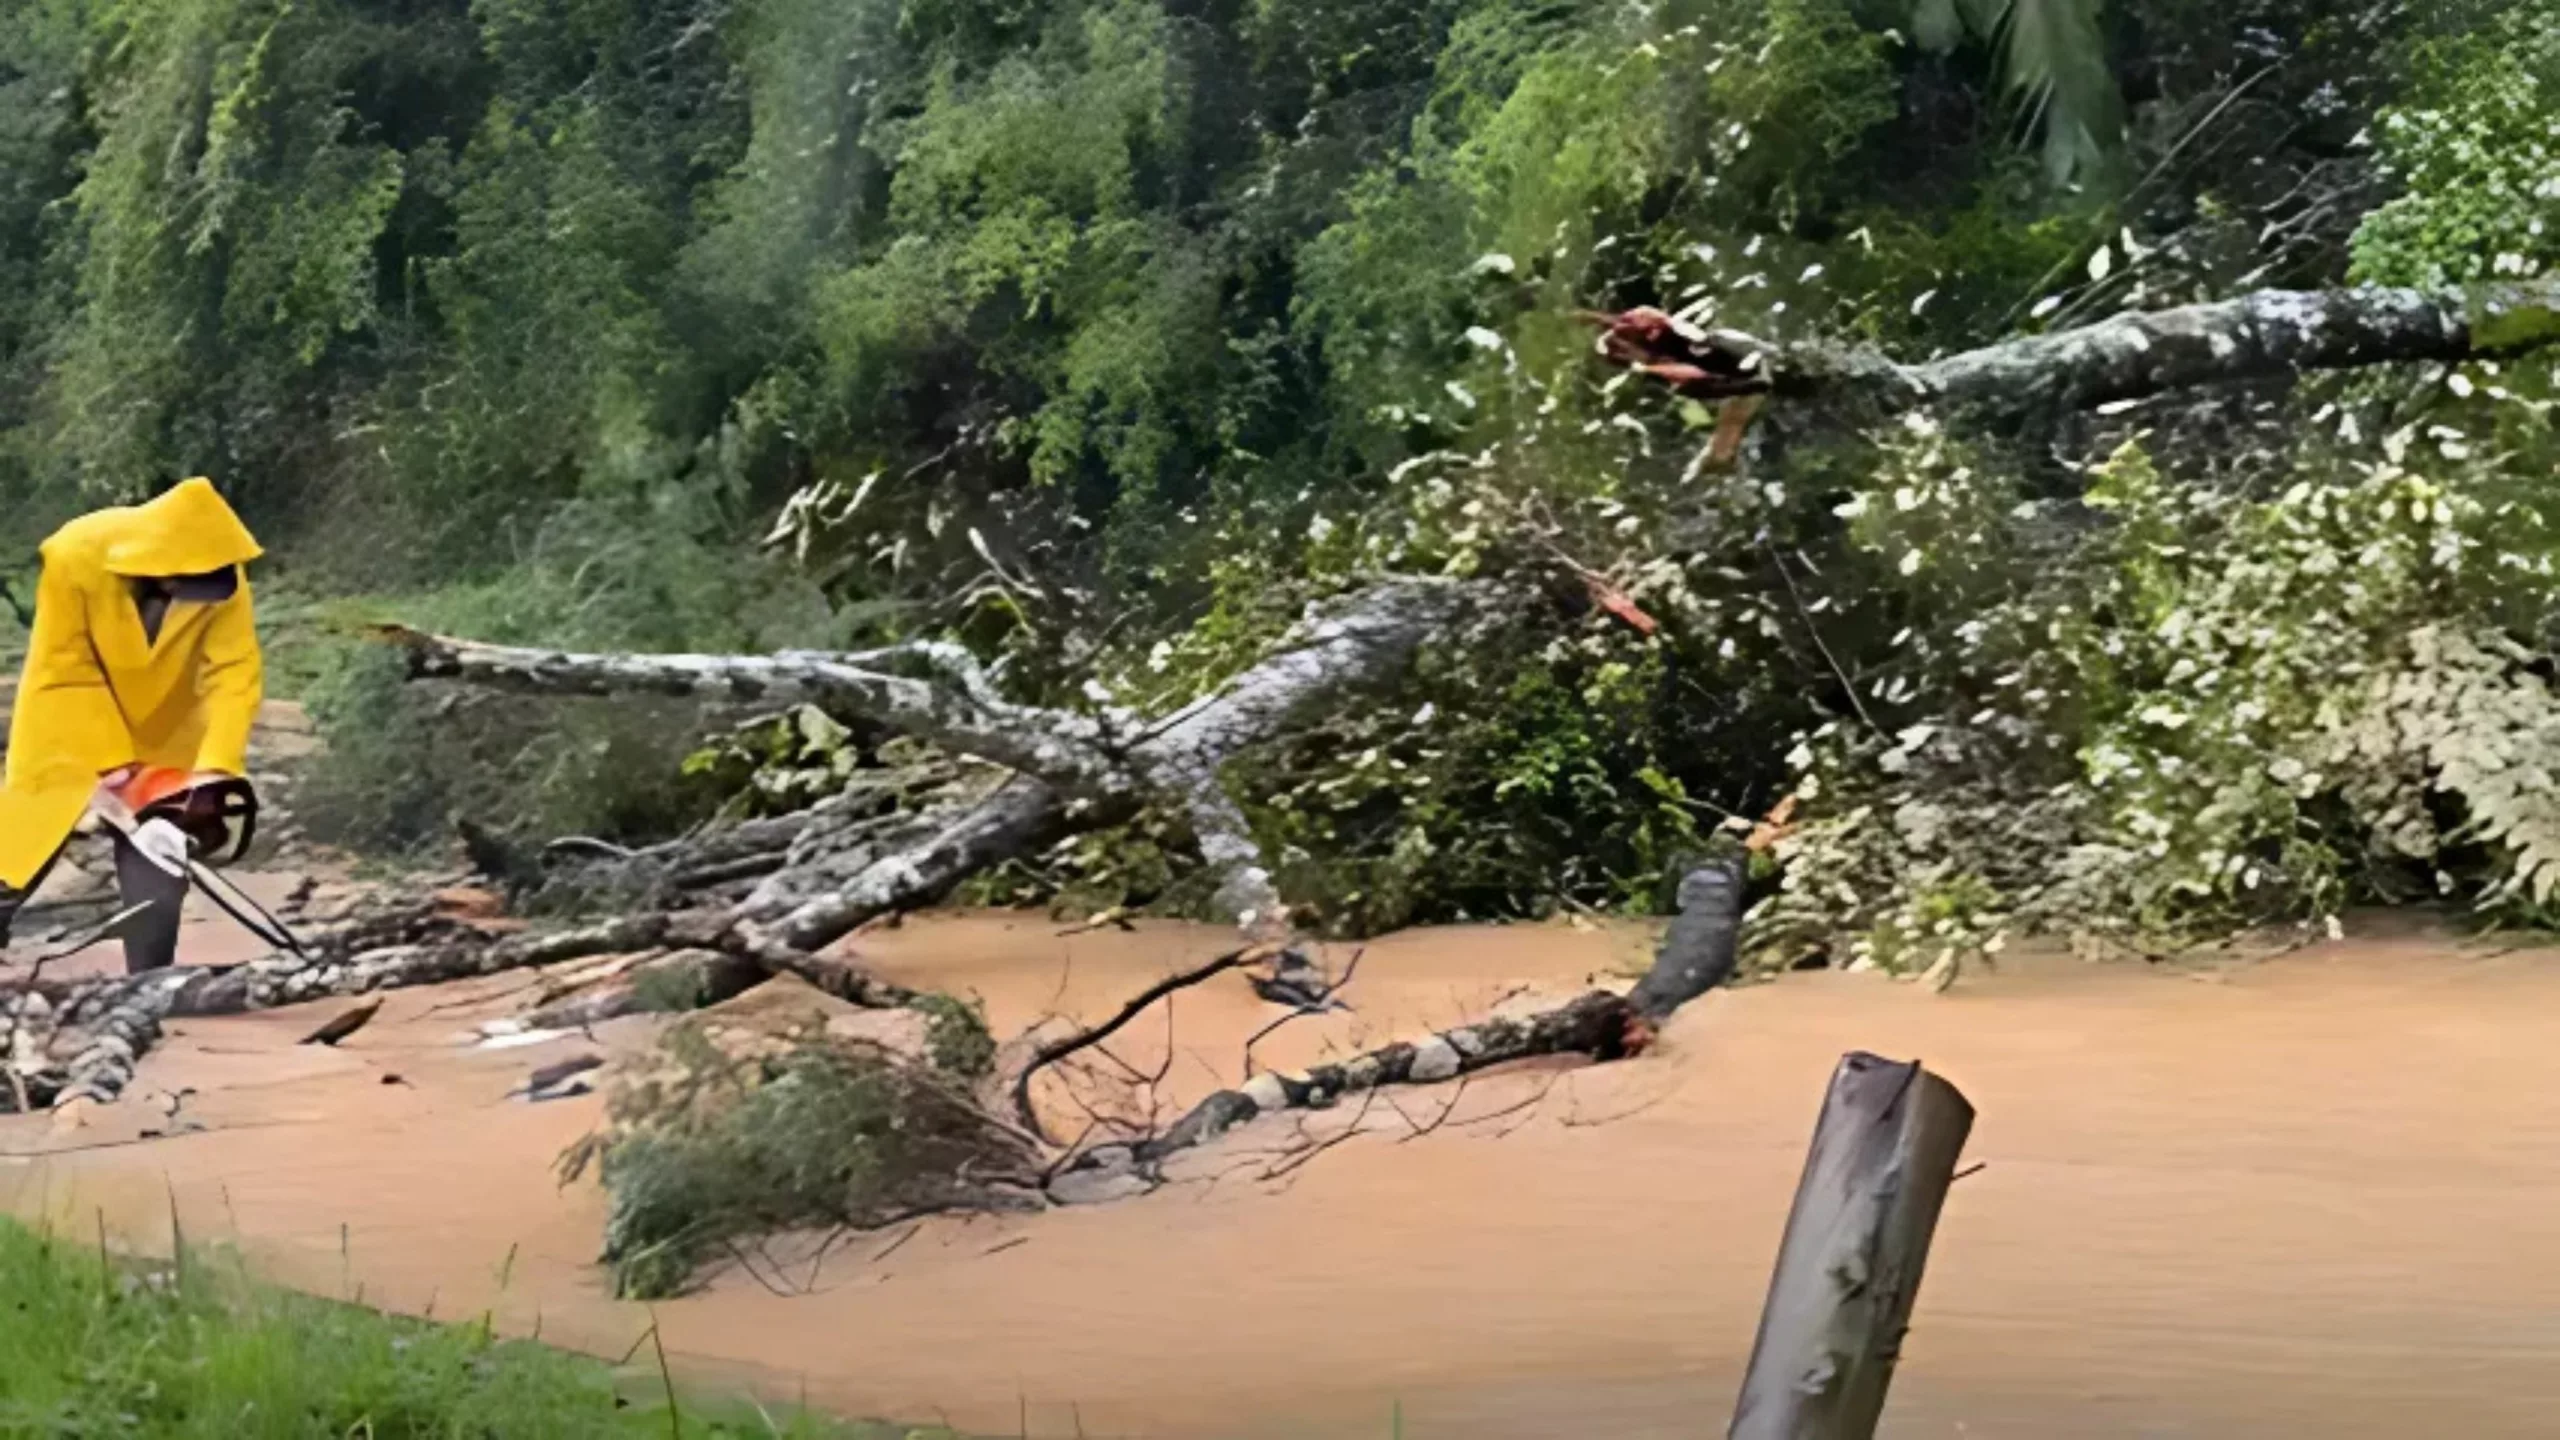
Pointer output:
2309, 1196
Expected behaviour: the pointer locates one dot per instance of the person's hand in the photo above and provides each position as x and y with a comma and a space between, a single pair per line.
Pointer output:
163, 844
109, 799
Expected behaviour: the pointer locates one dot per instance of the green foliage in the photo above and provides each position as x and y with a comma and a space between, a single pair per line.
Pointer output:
2206, 708
2472, 147
99, 1347
780, 763
957, 1040
671, 989
404, 762
2053, 63
727, 1140
1104, 335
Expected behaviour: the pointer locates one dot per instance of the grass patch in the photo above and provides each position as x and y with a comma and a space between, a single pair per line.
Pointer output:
99, 1348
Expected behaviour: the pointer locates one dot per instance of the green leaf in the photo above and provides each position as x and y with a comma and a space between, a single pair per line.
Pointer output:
2499, 322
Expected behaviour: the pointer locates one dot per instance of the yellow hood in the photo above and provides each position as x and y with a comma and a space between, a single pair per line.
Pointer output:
188, 531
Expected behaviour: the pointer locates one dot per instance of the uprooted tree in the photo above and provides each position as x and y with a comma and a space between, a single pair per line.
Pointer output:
771, 896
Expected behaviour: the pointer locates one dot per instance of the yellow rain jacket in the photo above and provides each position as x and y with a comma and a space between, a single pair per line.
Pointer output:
97, 696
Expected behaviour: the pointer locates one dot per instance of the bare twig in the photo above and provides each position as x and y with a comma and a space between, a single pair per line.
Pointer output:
1575, 1120
1529, 1104
740, 1255
1292, 1164
1057, 1050
818, 1261
1813, 631
1416, 1132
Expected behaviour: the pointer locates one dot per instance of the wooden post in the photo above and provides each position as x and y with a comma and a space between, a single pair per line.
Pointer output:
1848, 1271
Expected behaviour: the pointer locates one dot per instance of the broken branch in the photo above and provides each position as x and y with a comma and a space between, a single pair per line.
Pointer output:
1057, 1050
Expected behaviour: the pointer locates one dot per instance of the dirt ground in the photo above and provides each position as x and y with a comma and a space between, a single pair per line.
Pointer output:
2309, 1196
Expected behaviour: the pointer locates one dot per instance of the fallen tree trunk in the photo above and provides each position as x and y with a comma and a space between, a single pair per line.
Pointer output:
1072, 771
968, 719
771, 864
2125, 357
1696, 955
1023, 817
82, 1040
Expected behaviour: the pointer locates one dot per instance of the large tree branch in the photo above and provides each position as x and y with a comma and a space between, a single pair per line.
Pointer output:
1353, 644
2268, 333
2125, 357
1022, 817
1696, 955
1062, 747
82, 1039
1073, 771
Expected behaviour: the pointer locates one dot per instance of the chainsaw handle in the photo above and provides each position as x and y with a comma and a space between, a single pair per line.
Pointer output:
212, 814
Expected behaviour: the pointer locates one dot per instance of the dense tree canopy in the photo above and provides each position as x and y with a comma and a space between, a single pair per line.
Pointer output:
1104, 334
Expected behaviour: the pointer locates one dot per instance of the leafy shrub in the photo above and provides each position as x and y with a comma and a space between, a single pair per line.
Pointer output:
956, 1038
727, 1140
2472, 148
2207, 708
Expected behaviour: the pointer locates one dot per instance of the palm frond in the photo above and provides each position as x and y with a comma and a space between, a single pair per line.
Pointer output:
2054, 59
2053, 63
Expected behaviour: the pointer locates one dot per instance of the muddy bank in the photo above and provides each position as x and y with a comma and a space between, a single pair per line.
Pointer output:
2305, 1197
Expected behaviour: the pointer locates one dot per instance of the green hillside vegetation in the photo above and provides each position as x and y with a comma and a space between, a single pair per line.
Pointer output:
1103, 334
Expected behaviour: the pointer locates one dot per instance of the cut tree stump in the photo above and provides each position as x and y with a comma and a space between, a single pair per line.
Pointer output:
1848, 1271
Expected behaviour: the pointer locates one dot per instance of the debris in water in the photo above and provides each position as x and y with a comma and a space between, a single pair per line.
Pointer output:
513, 1034
561, 1080
345, 1025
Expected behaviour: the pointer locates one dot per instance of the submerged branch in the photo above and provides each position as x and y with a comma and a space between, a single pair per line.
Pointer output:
82, 1040
1697, 954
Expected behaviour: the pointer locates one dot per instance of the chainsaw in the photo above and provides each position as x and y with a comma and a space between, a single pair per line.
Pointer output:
212, 814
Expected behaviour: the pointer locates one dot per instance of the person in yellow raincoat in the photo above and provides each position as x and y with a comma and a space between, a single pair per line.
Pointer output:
142, 679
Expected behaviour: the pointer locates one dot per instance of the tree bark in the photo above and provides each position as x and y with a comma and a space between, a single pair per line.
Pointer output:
1848, 1271
1700, 949
2143, 353
1600, 1025
84, 1039
1696, 955
1340, 650
1061, 746
1072, 771
1024, 816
